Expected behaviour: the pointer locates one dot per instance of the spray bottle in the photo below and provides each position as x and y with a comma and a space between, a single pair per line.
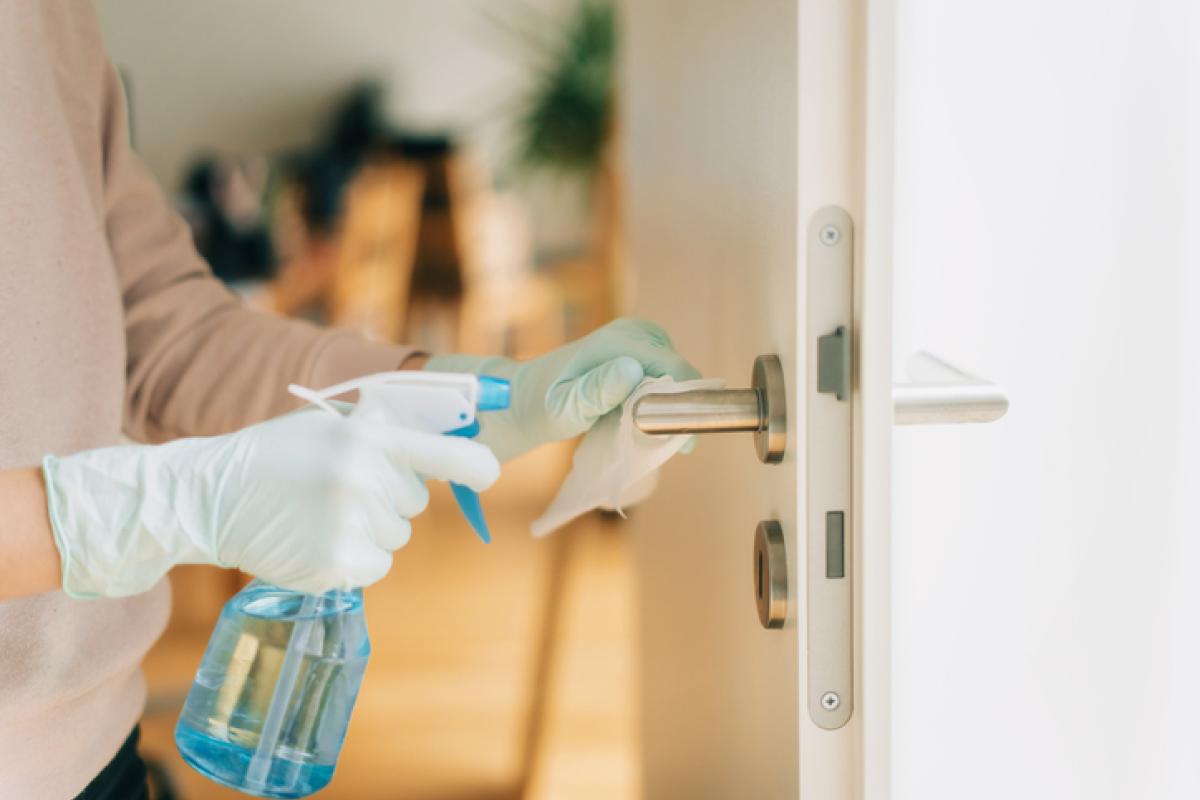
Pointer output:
272, 698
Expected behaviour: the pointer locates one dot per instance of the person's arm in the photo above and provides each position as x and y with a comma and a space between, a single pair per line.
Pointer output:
415, 361
29, 561
198, 362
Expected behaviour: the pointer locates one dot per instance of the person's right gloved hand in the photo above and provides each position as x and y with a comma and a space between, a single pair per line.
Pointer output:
565, 392
307, 500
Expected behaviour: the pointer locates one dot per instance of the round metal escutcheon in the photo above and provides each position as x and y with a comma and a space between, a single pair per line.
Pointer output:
767, 379
770, 574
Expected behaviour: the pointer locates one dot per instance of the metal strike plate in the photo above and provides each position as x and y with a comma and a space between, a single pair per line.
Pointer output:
770, 574
833, 364
829, 408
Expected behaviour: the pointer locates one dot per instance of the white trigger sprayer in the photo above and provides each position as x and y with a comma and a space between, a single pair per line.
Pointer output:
434, 402
268, 710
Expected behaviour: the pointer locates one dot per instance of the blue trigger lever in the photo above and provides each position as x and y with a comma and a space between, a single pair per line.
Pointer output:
495, 394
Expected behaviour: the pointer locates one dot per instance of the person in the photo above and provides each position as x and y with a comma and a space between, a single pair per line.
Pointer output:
111, 323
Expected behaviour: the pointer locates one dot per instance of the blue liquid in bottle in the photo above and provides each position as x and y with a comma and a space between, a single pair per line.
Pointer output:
271, 701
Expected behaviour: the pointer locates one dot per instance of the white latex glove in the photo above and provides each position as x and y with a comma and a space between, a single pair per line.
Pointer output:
307, 500
565, 392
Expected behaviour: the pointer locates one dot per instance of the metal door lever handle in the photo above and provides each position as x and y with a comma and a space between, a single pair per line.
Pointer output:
761, 410
940, 393
700, 411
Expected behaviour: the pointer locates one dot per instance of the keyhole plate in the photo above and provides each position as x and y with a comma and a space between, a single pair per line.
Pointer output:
770, 574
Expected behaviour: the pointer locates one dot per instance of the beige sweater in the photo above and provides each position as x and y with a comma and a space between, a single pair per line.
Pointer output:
109, 322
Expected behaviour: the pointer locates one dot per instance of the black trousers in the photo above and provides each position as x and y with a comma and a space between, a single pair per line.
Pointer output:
123, 779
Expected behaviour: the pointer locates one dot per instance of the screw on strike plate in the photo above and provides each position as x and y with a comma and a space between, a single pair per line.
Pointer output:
830, 235
830, 701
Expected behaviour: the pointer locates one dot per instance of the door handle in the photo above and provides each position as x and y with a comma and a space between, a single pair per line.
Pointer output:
939, 393
760, 410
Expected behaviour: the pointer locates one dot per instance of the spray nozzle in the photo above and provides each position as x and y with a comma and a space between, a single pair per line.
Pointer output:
435, 402
495, 394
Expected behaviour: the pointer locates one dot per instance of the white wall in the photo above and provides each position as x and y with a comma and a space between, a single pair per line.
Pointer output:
246, 77
1046, 567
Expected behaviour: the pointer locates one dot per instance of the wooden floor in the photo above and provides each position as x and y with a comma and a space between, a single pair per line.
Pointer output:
502, 671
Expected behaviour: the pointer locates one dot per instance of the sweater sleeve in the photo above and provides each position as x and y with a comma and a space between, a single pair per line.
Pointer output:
197, 362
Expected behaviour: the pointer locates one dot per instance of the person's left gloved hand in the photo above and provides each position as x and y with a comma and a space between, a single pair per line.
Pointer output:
308, 500
563, 393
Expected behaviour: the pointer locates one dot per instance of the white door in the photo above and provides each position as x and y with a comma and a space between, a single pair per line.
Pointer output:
742, 129
1045, 602
1022, 183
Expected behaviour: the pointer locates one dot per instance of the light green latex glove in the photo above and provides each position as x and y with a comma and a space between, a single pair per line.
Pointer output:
563, 393
308, 500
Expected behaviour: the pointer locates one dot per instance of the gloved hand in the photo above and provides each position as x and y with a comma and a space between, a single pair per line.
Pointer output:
307, 500
563, 393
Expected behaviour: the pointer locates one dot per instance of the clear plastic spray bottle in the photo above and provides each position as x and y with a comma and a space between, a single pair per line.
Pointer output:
272, 698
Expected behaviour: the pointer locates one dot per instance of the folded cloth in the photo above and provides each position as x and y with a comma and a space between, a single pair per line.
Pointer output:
615, 465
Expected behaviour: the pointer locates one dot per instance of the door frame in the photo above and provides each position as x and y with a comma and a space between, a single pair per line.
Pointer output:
875, 408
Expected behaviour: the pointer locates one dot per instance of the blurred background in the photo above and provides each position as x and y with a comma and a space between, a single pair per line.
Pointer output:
438, 173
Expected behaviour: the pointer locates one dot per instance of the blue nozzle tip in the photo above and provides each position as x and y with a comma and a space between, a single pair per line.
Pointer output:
495, 394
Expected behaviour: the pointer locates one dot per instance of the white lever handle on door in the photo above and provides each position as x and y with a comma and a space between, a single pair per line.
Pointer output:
939, 394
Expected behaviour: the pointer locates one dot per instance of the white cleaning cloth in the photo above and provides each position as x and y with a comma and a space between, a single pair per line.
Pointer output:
615, 464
